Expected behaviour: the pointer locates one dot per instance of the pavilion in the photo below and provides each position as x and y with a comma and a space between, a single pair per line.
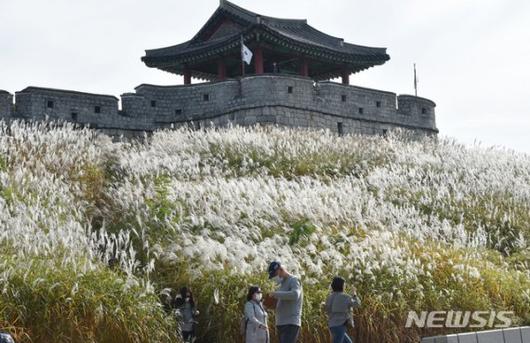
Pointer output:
286, 46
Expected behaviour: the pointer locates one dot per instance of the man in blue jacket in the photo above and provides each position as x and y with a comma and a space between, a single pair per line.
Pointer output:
289, 303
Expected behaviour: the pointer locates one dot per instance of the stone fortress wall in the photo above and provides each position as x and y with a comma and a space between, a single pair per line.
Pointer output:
6, 104
265, 99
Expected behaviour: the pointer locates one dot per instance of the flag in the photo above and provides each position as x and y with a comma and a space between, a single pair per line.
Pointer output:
246, 54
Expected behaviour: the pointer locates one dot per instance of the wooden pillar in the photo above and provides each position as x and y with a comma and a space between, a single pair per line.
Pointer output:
258, 60
345, 77
187, 77
304, 67
221, 70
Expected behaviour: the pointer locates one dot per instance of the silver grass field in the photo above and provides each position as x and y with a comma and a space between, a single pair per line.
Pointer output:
95, 234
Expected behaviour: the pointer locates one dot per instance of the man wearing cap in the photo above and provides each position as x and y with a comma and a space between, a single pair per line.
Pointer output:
289, 298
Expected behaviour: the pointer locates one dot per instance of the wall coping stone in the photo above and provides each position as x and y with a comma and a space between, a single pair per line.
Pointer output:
413, 97
30, 89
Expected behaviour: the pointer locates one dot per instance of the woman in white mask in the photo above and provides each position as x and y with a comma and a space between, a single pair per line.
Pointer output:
256, 328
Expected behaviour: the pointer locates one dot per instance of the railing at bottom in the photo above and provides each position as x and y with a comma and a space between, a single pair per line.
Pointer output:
509, 335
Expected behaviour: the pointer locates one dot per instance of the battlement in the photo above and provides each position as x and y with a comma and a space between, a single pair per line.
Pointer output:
58, 104
285, 100
6, 104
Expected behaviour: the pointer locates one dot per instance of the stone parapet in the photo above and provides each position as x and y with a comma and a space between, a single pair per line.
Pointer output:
260, 99
6, 104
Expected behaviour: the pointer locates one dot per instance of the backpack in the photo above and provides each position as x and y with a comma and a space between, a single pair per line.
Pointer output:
243, 326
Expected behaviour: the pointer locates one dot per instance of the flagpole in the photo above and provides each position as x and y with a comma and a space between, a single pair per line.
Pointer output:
242, 59
415, 81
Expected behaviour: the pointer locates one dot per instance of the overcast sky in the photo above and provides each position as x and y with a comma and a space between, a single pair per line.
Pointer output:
473, 57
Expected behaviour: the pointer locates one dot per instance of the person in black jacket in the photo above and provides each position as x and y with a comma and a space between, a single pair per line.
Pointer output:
186, 311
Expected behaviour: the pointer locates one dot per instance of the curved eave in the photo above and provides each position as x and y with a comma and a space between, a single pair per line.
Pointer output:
326, 53
317, 52
196, 55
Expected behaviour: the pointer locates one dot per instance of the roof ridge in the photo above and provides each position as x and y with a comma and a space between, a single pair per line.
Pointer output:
230, 6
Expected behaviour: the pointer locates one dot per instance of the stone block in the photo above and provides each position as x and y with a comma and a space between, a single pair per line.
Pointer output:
470, 337
490, 336
512, 335
525, 334
449, 339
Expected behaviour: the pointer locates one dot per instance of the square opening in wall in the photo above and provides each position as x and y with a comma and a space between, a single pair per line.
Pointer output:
340, 129
423, 110
73, 115
343, 97
206, 97
361, 110
378, 104
290, 89
97, 109
50, 104
153, 103
178, 111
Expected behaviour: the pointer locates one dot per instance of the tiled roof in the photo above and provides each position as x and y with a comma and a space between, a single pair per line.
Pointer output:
294, 30
300, 30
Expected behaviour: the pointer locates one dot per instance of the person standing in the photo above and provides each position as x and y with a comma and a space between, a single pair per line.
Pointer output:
256, 329
339, 310
289, 298
187, 311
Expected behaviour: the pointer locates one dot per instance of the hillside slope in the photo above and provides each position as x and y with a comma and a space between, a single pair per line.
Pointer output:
93, 232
